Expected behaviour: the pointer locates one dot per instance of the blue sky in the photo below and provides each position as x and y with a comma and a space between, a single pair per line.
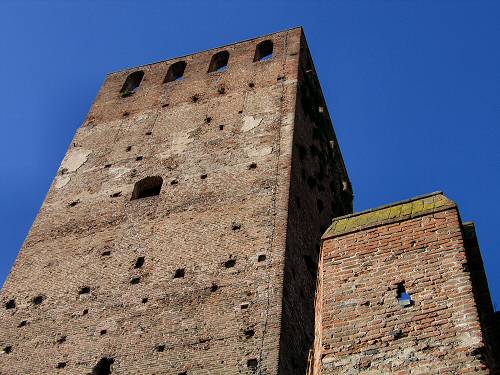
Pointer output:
413, 88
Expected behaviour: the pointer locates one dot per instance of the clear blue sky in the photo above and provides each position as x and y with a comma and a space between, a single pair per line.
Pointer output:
413, 88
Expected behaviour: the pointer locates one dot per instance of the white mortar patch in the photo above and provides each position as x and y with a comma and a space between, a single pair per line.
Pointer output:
252, 152
118, 172
180, 142
250, 122
61, 181
74, 159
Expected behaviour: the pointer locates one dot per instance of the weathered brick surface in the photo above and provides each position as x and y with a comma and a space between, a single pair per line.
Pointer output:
236, 186
363, 328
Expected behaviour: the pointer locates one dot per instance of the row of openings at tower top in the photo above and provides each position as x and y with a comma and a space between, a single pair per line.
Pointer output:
218, 63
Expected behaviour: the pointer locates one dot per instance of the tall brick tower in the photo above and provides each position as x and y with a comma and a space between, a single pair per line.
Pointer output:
181, 233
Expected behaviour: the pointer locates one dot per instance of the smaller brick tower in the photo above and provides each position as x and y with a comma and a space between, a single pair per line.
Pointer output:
402, 289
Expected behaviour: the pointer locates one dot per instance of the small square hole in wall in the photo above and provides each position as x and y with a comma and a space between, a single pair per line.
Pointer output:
139, 262
7, 349
208, 120
261, 258
38, 300
252, 363
129, 148
106, 253
116, 195
244, 306
84, 290
139, 158
74, 203
85, 312
135, 280
61, 340
148, 133
103, 332
145, 300
221, 127
252, 166
203, 176
160, 348
22, 324
214, 287
249, 333
11, 304
398, 334
107, 166
230, 263
61, 365
179, 273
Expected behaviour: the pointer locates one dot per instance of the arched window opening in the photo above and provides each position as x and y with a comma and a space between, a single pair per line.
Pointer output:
219, 62
132, 83
263, 51
147, 187
175, 72
103, 367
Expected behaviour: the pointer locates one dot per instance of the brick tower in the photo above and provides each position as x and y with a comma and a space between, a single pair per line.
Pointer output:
402, 290
181, 233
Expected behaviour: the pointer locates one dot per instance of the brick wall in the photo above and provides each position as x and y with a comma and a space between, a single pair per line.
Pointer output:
368, 260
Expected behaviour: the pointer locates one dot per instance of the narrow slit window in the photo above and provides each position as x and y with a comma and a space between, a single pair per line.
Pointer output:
175, 72
263, 51
404, 299
132, 83
219, 62
147, 187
